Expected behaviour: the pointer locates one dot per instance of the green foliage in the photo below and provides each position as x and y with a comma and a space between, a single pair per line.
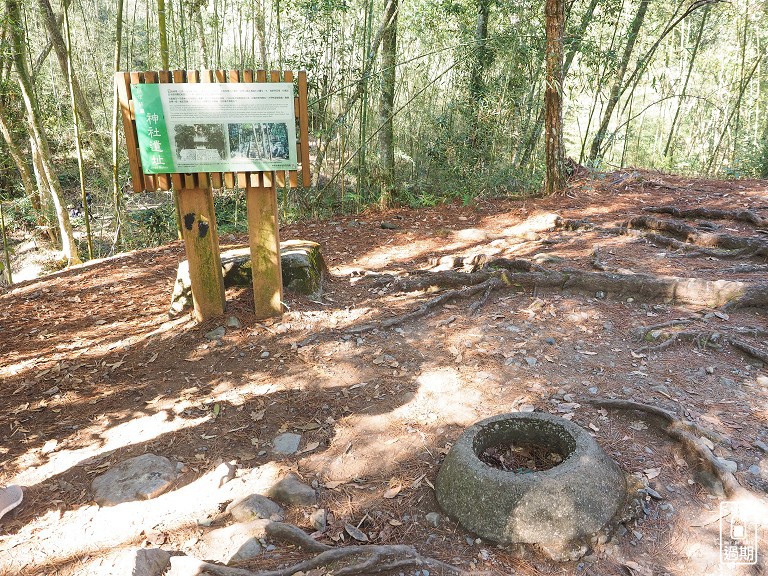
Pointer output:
151, 226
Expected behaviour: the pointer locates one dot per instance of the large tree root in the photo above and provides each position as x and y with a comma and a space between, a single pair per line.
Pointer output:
694, 291
688, 249
711, 214
688, 434
689, 234
341, 561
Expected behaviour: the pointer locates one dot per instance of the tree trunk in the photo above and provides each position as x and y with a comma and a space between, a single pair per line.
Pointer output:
117, 193
616, 88
18, 159
59, 46
481, 55
554, 181
162, 31
386, 108
261, 33
196, 7
69, 248
573, 48
78, 144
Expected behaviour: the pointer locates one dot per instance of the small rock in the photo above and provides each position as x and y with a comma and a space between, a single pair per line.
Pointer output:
762, 380
710, 369
264, 355
551, 341
531, 361
234, 322
254, 507
319, 519
652, 493
568, 397
754, 470
667, 507
762, 445
286, 443
216, 333
139, 562
729, 465
388, 225
608, 326
621, 530
710, 482
600, 294
433, 519
290, 491
232, 544
140, 478
593, 390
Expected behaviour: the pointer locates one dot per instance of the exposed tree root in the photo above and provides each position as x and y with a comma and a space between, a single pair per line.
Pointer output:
688, 434
488, 285
342, 561
703, 339
747, 269
750, 350
711, 214
689, 250
689, 234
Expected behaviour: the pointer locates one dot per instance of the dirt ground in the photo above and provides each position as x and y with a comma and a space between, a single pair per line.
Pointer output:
92, 372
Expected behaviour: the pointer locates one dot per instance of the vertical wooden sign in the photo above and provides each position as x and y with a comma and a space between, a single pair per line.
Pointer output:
194, 197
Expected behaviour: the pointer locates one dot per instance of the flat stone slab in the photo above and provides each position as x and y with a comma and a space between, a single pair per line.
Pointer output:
286, 443
302, 264
140, 478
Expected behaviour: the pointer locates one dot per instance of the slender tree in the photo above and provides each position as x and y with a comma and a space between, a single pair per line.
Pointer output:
554, 181
386, 107
18, 43
618, 83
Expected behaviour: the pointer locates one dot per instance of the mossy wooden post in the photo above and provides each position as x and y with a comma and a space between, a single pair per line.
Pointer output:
264, 240
201, 243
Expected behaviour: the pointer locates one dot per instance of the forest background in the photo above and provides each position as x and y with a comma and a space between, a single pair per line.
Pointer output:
412, 103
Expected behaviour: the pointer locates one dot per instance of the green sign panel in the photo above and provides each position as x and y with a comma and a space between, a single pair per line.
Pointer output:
215, 127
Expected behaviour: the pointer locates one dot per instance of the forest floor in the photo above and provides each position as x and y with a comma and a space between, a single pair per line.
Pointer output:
93, 372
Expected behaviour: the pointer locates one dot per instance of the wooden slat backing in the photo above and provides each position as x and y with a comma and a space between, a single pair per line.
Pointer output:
123, 83
141, 181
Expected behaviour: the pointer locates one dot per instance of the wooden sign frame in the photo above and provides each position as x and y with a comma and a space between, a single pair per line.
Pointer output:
193, 195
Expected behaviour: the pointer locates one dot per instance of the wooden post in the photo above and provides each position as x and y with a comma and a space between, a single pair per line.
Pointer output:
201, 244
264, 241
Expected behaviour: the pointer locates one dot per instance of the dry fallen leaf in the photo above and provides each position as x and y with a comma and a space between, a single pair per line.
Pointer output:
392, 492
309, 447
651, 473
356, 533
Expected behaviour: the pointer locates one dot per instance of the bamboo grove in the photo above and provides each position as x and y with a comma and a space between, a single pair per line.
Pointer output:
410, 102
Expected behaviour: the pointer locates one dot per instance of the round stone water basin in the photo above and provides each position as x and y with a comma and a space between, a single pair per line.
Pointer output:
577, 494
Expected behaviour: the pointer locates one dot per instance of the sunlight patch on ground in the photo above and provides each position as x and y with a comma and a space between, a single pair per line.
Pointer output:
134, 431
51, 536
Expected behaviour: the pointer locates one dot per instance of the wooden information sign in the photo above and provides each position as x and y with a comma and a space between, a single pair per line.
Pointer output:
193, 192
